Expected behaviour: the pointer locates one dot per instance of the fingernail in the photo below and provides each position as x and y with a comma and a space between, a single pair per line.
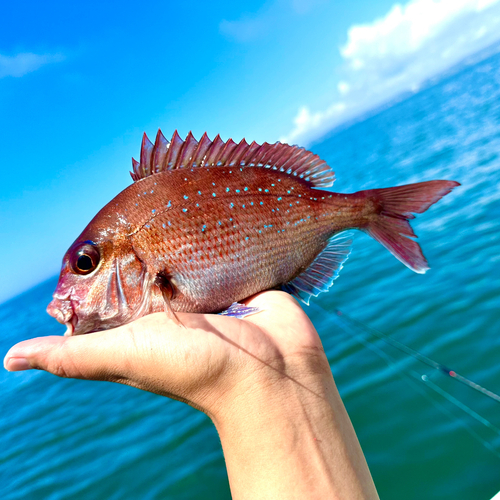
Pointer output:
17, 364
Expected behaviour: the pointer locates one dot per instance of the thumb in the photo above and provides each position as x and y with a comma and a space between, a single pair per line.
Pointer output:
93, 357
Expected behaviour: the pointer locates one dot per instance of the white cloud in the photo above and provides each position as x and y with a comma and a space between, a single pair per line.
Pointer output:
398, 52
26, 62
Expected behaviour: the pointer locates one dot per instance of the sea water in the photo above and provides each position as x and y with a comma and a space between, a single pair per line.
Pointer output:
85, 440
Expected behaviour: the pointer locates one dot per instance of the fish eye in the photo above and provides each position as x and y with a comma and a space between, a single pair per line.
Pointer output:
85, 259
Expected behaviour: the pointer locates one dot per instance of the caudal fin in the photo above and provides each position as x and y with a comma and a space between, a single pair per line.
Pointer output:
394, 207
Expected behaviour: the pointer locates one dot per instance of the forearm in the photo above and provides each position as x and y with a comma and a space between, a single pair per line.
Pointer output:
290, 437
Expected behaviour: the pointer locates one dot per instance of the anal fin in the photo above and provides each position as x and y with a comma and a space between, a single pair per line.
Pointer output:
323, 271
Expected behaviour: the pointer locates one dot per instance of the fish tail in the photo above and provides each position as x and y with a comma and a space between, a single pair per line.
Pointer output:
388, 222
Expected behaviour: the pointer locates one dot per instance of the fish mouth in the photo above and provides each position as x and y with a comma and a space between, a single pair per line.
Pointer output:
62, 310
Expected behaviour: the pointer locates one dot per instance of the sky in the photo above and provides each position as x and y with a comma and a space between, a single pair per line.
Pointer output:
81, 81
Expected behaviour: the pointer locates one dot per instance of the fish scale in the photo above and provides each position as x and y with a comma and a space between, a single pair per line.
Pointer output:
206, 224
249, 243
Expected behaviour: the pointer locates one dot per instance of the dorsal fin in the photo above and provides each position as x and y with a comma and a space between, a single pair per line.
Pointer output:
165, 155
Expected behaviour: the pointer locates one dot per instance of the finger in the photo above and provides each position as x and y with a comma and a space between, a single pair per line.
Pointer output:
279, 309
99, 356
151, 353
285, 320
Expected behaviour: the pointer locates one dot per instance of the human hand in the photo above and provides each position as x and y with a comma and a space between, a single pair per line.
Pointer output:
197, 363
264, 381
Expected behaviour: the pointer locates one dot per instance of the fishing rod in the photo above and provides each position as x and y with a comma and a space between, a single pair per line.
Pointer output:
421, 357
352, 326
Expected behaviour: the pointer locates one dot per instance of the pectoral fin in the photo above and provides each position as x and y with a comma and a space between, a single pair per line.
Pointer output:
167, 293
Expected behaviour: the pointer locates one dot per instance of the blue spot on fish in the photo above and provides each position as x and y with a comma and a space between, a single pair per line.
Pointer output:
214, 195
279, 199
185, 197
227, 190
169, 204
184, 209
164, 226
153, 211
237, 190
262, 203
246, 189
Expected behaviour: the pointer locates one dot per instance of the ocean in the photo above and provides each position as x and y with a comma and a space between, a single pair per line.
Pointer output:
425, 435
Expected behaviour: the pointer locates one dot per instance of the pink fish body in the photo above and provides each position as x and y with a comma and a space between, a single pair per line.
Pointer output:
208, 223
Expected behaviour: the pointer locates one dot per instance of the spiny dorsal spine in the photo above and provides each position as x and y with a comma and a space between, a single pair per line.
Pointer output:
190, 153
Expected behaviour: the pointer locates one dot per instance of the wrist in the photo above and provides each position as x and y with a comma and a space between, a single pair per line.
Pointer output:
286, 434
271, 387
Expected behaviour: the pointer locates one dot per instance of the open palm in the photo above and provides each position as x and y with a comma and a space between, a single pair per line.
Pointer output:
197, 363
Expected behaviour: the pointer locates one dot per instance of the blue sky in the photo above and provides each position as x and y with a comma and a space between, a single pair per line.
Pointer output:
80, 83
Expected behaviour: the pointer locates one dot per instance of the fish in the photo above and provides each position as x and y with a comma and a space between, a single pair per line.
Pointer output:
207, 224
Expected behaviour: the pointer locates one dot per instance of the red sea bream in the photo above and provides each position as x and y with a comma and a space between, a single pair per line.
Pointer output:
207, 224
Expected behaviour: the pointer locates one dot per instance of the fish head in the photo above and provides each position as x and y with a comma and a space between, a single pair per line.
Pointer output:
102, 285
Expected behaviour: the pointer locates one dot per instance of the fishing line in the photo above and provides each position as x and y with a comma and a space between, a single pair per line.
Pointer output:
421, 357
411, 375
356, 329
